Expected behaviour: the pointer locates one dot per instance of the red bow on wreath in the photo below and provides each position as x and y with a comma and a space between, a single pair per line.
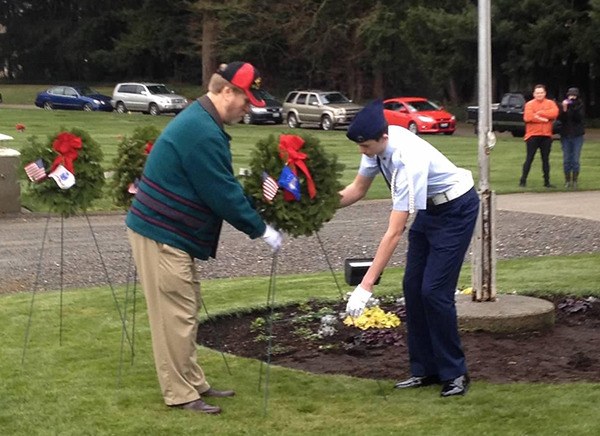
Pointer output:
66, 145
148, 147
288, 151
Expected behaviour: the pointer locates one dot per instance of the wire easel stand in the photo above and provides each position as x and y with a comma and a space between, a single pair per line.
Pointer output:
337, 284
218, 341
381, 390
110, 284
33, 293
130, 268
270, 310
37, 280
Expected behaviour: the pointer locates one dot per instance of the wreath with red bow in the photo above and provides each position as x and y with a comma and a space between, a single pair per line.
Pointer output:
129, 163
303, 209
78, 153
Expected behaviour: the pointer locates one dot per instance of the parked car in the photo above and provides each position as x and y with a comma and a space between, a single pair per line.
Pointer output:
507, 116
418, 115
326, 109
152, 98
73, 97
271, 113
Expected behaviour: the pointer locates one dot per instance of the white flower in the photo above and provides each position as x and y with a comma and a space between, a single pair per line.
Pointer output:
326, 330
328, 320
372, 302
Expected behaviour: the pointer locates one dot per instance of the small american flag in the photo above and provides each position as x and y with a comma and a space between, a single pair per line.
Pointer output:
36, 171
269, 186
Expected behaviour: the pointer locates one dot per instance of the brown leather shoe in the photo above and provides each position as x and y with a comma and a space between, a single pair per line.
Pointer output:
215, 393
200, 406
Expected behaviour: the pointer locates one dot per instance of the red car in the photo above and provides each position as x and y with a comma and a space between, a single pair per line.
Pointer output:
418, 115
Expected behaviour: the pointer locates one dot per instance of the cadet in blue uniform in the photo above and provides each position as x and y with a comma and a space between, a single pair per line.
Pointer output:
421, 179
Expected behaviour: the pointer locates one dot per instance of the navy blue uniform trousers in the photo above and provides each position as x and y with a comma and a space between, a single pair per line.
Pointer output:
437, 242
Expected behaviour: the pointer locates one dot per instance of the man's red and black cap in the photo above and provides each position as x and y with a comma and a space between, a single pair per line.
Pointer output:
246, 77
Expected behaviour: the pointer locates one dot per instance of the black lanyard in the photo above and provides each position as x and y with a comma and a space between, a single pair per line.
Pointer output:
387, 182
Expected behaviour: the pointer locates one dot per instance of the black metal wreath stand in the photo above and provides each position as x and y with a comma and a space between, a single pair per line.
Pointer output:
122, 313
266, 365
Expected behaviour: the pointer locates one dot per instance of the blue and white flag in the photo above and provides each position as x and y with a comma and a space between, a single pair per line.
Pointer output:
289, 182
63, 177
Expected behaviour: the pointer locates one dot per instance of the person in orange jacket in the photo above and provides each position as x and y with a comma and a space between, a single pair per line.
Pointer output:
539, 115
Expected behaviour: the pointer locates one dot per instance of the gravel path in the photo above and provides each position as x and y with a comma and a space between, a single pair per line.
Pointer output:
354, 232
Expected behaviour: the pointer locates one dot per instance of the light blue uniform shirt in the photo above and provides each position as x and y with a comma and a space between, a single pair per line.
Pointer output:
415, 170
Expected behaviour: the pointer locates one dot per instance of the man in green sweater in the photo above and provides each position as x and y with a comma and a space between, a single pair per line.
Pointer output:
186, 191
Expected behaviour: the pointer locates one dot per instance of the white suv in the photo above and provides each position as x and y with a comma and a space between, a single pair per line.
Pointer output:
152, 98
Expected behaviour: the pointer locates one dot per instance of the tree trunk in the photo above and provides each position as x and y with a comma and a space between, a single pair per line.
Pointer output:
378, 91
452, 92
209, 36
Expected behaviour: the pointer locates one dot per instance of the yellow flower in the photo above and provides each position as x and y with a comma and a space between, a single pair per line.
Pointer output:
467, 291
373, 317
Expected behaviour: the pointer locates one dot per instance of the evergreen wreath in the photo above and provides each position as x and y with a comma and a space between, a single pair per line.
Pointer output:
306, 216
89, 176
129, 163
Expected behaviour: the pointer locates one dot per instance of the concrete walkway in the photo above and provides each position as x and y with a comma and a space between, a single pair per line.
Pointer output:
575, 204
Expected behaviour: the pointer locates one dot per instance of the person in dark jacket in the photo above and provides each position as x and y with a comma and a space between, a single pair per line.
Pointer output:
187, 190
571, 135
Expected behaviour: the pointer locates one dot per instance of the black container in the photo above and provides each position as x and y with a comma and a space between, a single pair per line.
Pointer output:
355, 270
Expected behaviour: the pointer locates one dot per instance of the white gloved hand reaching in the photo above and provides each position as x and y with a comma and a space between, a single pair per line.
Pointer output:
357, 301
273, 238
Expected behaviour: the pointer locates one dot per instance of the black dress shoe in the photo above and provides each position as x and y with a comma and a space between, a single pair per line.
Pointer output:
417, 382
456, 386
215, 393
200, 406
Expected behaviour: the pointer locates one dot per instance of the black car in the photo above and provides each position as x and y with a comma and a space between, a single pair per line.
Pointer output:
271, 113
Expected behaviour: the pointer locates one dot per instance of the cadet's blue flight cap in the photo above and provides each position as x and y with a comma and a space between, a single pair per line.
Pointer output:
369, 123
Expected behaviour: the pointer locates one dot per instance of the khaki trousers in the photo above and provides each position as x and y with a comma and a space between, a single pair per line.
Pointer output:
172, 292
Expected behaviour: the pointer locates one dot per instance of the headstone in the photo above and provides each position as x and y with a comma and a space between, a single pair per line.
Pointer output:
10, 190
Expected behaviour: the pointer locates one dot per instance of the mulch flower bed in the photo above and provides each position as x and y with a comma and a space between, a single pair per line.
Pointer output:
568, 352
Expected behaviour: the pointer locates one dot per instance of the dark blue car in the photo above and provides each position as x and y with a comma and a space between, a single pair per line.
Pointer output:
73, 97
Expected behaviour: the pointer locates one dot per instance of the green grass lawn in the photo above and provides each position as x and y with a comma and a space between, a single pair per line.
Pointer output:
108, 128
76, 388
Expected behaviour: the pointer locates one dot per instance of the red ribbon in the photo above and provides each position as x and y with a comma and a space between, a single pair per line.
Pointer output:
66, 145
288, 151
148, 147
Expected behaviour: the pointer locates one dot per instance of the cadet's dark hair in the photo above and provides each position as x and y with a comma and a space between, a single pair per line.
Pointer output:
382, 132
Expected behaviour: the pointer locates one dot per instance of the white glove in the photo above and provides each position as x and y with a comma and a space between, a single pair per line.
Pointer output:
357, 301
273, 238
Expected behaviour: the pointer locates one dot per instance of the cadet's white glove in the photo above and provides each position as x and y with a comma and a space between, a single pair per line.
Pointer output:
357, 301
273, 238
